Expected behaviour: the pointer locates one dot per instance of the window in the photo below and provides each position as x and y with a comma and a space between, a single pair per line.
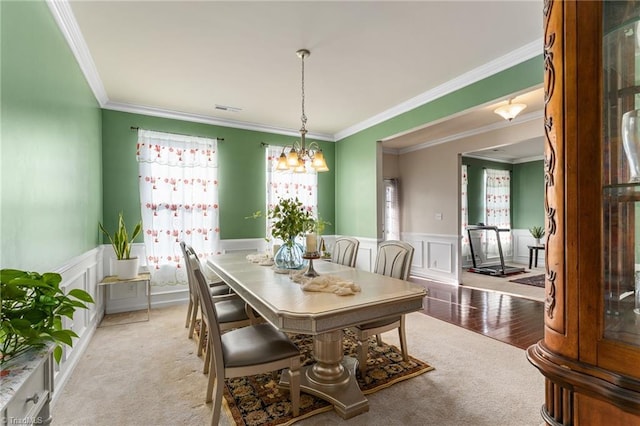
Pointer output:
497, 185
464, 213
178, 178
391, 210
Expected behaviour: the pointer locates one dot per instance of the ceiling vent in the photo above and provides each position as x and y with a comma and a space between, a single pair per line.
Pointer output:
228, 108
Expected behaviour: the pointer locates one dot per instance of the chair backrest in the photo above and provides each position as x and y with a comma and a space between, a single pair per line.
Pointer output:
394, 259
188, 251
210, 317
185, 254
345, 251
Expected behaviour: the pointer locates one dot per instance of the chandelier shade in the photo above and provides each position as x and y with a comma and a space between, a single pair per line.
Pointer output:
299, 153
510, 111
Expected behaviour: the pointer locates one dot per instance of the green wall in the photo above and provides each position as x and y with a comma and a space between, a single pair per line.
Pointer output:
527, 184
242, 174
50, 153
356, 196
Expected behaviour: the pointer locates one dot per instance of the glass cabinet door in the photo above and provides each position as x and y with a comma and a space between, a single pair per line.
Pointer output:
621, 172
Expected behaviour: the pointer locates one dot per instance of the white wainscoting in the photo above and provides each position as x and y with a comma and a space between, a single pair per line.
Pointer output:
82, 272
435, 256
521, 239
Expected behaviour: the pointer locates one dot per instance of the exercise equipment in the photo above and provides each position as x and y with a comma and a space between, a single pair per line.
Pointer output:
498, 269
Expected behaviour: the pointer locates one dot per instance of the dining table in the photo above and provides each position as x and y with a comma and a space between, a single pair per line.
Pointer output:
281, 301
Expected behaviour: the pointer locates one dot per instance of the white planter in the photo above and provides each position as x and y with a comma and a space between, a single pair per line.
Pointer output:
127, 269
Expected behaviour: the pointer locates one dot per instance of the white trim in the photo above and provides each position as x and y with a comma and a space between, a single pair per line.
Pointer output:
513, 58
529, 159
493, 160
197, 118
499, 160
66, 20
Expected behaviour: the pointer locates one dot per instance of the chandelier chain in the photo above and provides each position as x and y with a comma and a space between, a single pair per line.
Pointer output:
303, 117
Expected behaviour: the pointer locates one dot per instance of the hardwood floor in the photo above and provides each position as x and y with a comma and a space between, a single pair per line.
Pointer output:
510, 319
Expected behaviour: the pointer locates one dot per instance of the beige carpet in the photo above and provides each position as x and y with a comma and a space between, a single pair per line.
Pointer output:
147, 373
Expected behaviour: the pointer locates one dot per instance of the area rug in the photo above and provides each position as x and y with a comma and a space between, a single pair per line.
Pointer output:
257, 400
534, 280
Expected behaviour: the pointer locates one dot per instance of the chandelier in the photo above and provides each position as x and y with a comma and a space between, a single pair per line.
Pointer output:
509, 111
299, 153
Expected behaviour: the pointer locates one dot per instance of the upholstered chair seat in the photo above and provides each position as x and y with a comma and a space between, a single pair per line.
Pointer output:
258, 344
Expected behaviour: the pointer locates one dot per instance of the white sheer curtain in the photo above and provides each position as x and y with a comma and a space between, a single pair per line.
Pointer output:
287, 184
179, 201
391, 210
498, 209
464, 212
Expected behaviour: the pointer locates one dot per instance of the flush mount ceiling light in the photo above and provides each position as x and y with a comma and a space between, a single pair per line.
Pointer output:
510, 110
299, 153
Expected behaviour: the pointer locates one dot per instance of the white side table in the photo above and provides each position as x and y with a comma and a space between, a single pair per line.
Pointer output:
114, 280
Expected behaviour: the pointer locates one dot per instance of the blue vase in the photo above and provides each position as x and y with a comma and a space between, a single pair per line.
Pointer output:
289, 256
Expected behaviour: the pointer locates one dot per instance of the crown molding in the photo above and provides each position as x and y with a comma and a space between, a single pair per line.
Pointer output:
197, 118
64, 17
513, 58
493, 160
477, 131
529, 159
499, 160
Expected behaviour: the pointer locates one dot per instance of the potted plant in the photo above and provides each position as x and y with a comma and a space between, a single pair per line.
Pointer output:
289, 220
537, 232
32, 309
126, 267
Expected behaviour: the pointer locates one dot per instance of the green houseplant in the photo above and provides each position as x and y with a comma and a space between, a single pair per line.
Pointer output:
537, 232
32, 309
126, 266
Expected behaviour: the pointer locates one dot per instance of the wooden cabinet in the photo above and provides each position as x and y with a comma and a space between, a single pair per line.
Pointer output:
590, 354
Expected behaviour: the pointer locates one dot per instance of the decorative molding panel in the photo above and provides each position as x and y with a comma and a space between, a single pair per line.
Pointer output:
82, 272
439, 261
246, 244
521, 240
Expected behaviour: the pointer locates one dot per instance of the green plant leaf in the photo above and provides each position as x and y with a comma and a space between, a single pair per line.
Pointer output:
11, 291
7, 275
67, 311
62, 336
57, 353
81, 295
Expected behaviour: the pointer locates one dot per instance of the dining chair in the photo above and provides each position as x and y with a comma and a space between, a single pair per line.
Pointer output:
393, 260
345, 251
255, 349
216, 288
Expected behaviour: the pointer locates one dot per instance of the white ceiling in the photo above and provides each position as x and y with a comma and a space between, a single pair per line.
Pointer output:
369, 60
